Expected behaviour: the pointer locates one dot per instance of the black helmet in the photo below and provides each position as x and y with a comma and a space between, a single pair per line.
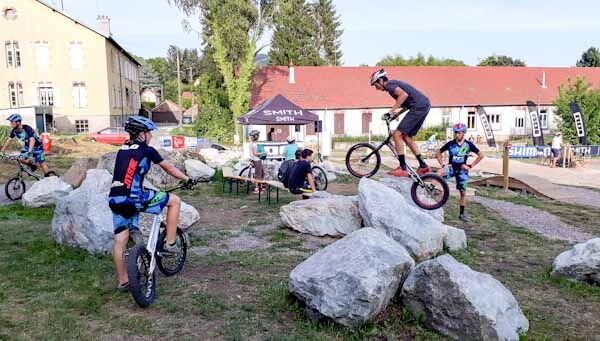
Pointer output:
139, 124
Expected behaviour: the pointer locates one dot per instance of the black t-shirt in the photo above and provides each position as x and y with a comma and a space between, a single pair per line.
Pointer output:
298, 174
132, 164
25, 135
416, 99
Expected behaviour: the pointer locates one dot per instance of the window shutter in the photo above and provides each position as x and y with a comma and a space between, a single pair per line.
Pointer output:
75, 96
83, 96
57, 98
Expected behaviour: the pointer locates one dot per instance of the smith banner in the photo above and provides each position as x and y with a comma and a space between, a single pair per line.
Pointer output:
485, 123
536, 127
579, 124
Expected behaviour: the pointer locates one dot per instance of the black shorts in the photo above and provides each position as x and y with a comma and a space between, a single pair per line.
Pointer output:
413, 121
555, 152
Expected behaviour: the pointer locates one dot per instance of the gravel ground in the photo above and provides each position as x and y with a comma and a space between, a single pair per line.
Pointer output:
535, 220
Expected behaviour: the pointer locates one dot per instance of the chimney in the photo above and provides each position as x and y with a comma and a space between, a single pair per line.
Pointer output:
103, 25
544, 80
292, 73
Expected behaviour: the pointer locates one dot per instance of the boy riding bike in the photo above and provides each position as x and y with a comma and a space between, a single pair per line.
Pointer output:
410, 98
127, 197
459, 151
32, 144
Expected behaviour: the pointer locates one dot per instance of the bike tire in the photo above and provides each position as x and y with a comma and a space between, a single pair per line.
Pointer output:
320, 176
15, 183
438, 202
165, 267
50, 173
247, 172
141, 284
354, 149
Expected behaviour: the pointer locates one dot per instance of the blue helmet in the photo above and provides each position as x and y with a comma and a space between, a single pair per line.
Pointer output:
14, 117
460, 128
139, 124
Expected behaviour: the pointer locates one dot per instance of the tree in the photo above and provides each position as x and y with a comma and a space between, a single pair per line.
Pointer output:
495, 60
328, 31
419, 60
294, 37
161, 66
147, 73
588, 98
590, 58
188, 59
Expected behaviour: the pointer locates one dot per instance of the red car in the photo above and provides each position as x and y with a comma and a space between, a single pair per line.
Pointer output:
110, 136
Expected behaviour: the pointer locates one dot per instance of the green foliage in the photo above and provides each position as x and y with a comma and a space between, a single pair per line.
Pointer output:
170, 90
328, 29
148, 105
419, 60
160, 65
425, 133
346, 138
148, 75
4, 133
590, 58
189, 59
588, 98
495, 60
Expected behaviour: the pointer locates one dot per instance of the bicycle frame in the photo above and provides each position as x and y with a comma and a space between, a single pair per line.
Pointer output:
23, 169
153, 240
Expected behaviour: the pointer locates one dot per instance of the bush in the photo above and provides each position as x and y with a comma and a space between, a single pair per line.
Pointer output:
425, 133
345, 138
588, 98
4, 133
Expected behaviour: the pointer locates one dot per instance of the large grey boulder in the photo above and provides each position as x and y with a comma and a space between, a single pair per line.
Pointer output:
385, 209
198, 170
219, 159
107, 162
159, 177
333, 216
76, 174
456, 239
403, 186
188, 216
461, 303
46, 192
82, 218
581, 263
352, 280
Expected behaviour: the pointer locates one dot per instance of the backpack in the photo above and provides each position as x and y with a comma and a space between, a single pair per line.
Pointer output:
283, 174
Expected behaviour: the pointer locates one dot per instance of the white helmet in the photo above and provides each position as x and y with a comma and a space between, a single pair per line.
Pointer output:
254, 133
291, 139
377, 75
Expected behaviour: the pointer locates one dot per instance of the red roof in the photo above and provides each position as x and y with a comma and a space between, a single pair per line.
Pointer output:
325, 87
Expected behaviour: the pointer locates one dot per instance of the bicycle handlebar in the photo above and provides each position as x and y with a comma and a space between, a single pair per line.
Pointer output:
194, 183
389, 117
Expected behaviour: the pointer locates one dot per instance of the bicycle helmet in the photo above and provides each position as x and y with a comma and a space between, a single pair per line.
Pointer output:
139, 124
377, 75
14, 117
291, 139
460, 128
254, 133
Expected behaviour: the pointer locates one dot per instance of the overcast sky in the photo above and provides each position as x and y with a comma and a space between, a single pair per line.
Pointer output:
543, 33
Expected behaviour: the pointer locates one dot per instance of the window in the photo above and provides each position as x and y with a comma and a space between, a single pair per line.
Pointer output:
15, 94
81, 126
13, 54
544, 118
519, 122
495, 121
366, 122
471, 120
76, 55
79, 95
338, 123
46, 96
42, 55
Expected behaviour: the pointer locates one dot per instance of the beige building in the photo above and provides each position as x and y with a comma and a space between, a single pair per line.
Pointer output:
80, 77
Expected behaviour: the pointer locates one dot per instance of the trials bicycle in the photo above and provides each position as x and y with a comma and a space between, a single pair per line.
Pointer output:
318, 172
15, 187
429, 191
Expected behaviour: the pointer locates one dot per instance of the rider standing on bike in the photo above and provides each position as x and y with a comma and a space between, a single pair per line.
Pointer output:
408, 97
32, 144
459, 151
127, 197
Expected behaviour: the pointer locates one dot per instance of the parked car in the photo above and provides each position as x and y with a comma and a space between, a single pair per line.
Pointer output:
110, 136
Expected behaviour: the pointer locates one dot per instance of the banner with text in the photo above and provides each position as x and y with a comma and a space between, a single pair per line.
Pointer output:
579, 123
520, 152
536, 127
485, 123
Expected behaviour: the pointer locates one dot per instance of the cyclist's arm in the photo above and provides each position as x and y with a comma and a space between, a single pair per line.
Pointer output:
480, 157
31, 144
172, 170
438, 156
311, 181
5, 145
402, 96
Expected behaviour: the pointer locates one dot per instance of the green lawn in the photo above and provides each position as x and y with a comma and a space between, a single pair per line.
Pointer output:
52, 292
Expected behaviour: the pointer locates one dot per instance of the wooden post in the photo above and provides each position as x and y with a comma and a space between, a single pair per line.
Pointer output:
564, 155
507, 146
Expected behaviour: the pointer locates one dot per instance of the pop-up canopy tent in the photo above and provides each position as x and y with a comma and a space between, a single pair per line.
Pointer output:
278, 111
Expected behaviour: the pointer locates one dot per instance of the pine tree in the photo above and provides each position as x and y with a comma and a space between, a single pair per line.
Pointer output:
294, 37
327, 23
590, 58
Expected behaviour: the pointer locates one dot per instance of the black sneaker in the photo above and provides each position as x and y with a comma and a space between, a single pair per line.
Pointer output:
171, 249
33, 168
464, 217
123, 287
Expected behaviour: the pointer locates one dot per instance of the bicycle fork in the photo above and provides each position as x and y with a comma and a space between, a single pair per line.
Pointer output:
152, 241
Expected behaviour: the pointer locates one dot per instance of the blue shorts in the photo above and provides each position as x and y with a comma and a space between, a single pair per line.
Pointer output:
460, 175
38, 155
126, 210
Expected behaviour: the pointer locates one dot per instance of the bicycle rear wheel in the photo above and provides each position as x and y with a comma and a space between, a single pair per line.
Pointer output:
363, 160
142, 283
247, 172
320, 178
171, 264
14, 188
433, 195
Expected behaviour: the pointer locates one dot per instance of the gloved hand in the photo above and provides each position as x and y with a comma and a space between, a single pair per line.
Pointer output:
386, 117
188, 184
24, 155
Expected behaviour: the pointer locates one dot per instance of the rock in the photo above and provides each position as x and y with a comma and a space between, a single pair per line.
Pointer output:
188, 216
461, 303
385, 209
403, 186
159, 177
334, 216
83, 218
197, 170
219, 159
271, 168
581, 263
46, 192
456, 239
107, 162
76, 174
352, 280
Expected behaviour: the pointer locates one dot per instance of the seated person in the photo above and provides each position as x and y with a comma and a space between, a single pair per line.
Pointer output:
290, 150
301, 179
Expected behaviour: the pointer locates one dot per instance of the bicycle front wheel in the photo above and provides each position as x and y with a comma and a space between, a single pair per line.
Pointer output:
320, 178
363, 160
170, 264
433, 194
142, 282
14, 189
247, 172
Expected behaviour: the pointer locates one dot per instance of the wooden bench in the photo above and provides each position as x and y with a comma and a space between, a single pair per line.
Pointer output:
277, 186
230, 177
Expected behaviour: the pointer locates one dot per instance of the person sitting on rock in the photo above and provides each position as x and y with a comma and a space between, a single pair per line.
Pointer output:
301, 179
290, 149
459, 151
32, 144
127, 197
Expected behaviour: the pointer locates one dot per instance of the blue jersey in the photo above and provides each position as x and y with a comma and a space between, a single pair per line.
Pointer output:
290, 151
459, 153
132, 164
416, 99
24, 135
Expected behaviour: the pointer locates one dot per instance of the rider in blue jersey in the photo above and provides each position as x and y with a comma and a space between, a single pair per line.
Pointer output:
32, 144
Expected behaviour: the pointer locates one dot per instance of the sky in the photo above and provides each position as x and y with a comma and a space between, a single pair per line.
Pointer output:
542, 33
